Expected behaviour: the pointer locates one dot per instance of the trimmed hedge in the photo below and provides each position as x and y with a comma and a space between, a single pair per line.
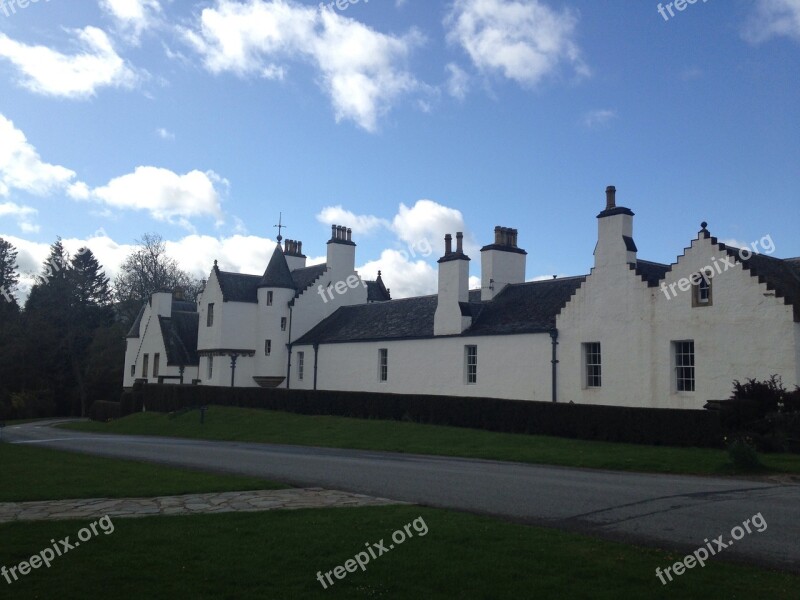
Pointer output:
669, 427
103, 410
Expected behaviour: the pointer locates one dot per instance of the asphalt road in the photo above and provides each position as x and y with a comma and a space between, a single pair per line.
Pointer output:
668, 511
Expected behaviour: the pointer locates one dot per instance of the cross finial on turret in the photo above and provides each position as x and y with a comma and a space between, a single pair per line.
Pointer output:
280, 226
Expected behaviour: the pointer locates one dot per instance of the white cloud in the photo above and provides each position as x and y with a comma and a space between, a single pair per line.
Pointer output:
22, 168
404, 277
457, 81
773, 18
598, 118
360, 69
23, 214
166, 195
49, 72
360, 224
133, 17
426, 223
239, 253
165, 134
523, 40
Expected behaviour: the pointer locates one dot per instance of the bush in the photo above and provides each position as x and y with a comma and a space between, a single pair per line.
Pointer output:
104, 411
743, 454
583, 421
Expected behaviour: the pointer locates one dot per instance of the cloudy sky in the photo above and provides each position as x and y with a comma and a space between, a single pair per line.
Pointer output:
403, 119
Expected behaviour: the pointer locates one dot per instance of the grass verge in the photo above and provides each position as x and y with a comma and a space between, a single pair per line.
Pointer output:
33, 473
277, 555
252, 425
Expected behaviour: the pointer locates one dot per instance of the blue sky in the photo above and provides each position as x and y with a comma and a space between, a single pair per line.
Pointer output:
403, 119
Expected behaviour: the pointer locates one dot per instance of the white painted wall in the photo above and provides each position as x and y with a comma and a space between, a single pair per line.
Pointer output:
746, 332
150, 343
516, 367
498, 269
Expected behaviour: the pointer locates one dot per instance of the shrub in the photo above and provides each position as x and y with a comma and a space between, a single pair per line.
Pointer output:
103, 410
743, 455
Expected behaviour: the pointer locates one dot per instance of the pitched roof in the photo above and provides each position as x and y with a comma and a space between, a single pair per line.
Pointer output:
177, 305
376, 290
179, 333
520, 308
305, 277
277, 274
781, 275
237, 287
133, 332
651, 272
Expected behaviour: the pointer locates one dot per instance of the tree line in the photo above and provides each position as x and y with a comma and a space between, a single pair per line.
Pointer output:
64, 348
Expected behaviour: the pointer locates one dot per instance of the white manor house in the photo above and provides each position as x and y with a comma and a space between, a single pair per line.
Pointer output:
631, 332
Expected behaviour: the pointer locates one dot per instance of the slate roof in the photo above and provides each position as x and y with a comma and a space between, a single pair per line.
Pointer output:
780, 275
520, 308
376, 290
133, 332
651, 272
277, 274
179, 333
305, 277
177, 305
237, 287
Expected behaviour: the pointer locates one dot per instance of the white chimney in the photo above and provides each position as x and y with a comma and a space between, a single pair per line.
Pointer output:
341, 251
293, 251
161, 304
452, 315
615, 245
502, 263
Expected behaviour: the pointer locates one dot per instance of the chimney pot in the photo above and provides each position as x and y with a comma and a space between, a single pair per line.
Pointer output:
460, 242
611, 197
299, 247
497, 235
349, 235
333, 232
448, 244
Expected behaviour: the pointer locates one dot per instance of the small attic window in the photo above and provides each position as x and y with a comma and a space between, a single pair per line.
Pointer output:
701, 291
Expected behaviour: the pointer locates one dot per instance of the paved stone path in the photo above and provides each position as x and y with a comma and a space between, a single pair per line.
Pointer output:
91, 508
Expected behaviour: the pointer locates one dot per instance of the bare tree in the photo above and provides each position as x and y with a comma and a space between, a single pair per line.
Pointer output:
146, 270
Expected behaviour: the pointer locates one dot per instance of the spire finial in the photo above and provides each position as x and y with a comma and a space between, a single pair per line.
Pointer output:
280, 226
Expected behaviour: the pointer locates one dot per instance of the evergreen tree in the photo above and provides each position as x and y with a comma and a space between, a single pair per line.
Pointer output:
9, 277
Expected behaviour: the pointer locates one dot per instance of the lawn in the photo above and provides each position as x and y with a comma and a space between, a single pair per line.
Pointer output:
252, 425
32, 473
277, 554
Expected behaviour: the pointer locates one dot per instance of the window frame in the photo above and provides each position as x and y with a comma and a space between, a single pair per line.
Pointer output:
210, 315
145, 365
301, 363
267, 347
684, 360
156, 364
698, 289
383, 365
471, 364
210, 367
592, 371
269, 298
283, 323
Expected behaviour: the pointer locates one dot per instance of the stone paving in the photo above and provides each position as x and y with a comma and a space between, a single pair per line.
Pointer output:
260, 500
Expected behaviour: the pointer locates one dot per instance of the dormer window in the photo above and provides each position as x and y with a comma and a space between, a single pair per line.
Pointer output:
701, 290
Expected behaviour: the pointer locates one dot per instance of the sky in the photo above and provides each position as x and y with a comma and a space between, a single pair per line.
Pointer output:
401, 119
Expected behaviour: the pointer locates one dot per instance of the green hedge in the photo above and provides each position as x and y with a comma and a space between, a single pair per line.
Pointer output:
103, 410
608, 423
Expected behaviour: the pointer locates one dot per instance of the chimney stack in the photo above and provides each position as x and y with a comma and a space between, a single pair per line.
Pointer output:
452, 315
341, 252
615, 245
502, 263
611, 197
